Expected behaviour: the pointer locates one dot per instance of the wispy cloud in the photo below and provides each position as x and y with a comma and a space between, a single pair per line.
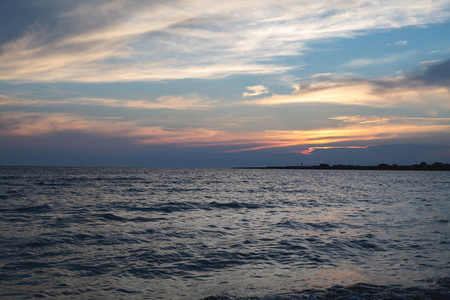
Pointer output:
38, 124
351, 130
364, 93
427, 86
398, 44
401, 43
35, 124
255, 90
100, 41
350, 134
361, 119
311, 149
192, 102
363, 62
188, 102
440, 51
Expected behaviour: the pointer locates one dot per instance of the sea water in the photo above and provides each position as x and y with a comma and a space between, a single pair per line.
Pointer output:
135, 233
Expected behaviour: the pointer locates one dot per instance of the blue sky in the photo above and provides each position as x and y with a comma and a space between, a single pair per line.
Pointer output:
206, 84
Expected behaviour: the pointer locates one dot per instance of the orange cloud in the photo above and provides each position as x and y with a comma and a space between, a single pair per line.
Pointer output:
38, 124
350, 134
311, 149
35, 124
362, 92
189, 102
361, 119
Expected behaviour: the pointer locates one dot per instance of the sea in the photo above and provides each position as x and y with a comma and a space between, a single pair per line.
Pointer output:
220, 234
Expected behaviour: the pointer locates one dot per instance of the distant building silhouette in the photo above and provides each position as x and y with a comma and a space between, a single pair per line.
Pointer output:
423, 166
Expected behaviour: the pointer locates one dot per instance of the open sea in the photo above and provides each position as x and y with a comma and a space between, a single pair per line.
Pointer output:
136, 233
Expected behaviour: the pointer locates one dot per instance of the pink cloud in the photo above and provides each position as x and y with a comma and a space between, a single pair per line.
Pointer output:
311, 149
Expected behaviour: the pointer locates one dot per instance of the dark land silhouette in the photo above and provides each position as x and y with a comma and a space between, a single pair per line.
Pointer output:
437, 166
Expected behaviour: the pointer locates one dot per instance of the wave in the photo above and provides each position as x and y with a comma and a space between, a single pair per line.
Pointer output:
171, 207
439, 290
35, 208
234, 204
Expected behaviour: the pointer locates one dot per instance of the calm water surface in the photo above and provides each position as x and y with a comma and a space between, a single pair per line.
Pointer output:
195, 233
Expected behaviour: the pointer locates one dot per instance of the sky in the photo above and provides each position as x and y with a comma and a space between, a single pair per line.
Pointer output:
202, 83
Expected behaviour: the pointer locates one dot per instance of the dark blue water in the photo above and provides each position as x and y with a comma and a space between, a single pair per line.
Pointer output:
123, 233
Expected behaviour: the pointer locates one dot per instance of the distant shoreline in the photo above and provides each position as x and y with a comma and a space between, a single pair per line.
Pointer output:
419, 167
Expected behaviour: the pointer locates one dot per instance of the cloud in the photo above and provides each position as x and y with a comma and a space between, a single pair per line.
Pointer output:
357, 63
425, 87
108, 41
440, 51
363, 62
36, 124
188, 102
322, 75
401, 154
351, 130
255, 90
41, 124
348, 134
311, 149
401, 43
435, 73
192, 102
362, 93
360, 119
